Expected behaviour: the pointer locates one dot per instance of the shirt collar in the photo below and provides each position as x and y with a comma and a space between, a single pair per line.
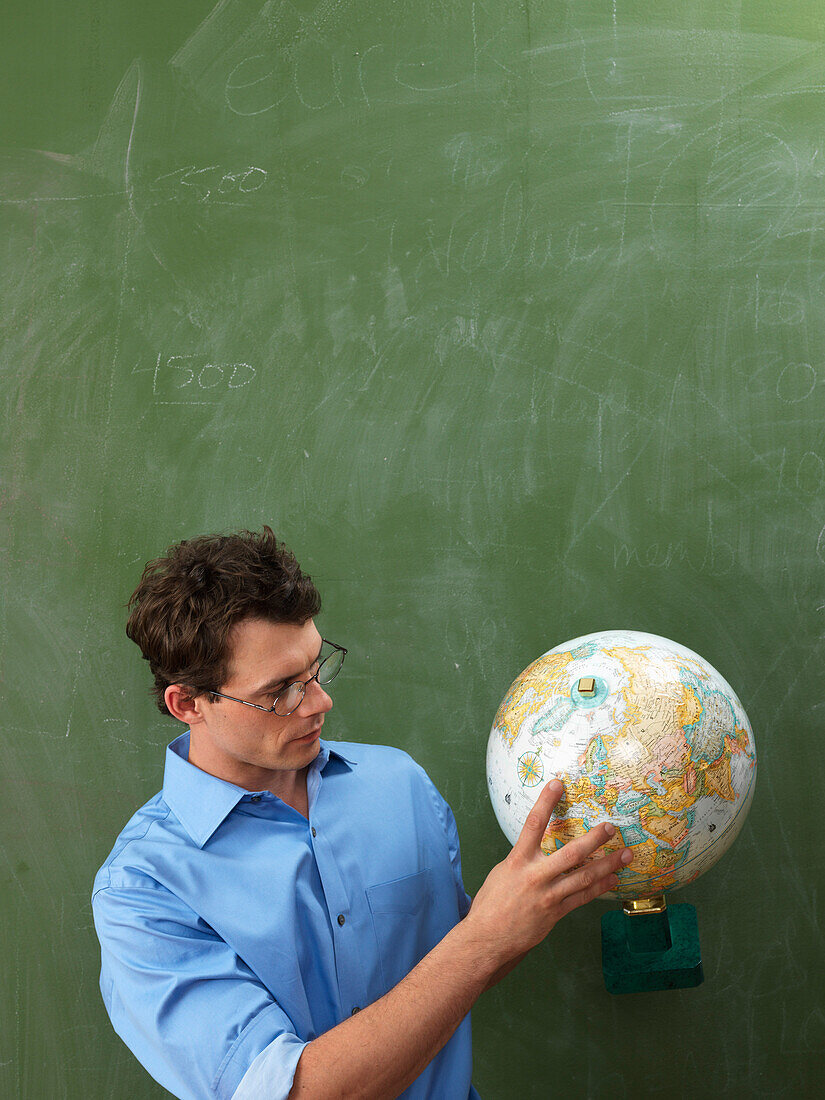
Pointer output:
200, 801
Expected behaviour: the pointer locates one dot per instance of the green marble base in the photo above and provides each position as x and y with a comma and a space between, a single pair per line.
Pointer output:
643, 952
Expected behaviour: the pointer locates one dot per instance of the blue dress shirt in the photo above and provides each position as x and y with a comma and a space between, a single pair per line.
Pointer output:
233, 930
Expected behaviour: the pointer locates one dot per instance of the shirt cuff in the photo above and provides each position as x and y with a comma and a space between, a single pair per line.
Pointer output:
271, 1074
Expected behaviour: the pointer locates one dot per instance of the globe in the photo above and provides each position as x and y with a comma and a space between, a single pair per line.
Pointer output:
643, 733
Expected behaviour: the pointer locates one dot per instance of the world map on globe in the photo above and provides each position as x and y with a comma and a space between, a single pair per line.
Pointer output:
643, 733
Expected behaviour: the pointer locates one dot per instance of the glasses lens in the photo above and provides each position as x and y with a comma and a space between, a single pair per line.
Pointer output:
289, 699
330, 667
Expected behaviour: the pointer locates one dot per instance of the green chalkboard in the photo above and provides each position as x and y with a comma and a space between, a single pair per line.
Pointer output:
510, 318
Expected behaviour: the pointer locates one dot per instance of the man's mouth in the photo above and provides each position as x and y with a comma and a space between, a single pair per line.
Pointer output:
312, 733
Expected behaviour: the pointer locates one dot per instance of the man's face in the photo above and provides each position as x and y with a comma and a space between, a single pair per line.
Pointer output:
244, 745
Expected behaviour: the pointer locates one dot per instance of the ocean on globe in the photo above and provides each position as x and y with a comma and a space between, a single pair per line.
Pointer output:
643, 733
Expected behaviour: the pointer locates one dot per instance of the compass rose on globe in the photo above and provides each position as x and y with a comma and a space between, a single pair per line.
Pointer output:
530, 769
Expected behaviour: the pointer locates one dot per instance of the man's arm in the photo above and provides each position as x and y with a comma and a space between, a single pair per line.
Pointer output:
379, 1052
502, 971
184, 1002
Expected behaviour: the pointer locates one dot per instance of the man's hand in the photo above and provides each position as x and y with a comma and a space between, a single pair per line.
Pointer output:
526, 894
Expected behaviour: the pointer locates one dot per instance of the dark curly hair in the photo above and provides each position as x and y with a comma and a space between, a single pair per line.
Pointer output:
187, 602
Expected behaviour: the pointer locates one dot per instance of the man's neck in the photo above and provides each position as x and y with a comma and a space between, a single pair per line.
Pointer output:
289, 786
297, 797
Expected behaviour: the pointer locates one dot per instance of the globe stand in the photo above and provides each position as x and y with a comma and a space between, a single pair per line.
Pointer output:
647, 946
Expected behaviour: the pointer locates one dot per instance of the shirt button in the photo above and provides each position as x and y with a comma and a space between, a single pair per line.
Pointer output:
313, 831
341, 918
256, 798
356, 1009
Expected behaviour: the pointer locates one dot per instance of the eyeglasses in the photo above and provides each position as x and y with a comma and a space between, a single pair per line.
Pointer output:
290, 698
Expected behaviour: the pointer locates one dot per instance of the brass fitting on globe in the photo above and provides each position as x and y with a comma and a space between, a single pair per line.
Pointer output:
645, 905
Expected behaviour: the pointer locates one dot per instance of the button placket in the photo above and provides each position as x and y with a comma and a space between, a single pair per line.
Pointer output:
351, 981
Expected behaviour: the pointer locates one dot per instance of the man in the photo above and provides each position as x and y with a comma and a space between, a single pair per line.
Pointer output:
287, 918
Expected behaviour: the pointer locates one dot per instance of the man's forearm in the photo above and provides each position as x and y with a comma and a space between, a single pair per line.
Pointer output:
377, 1053
503, 971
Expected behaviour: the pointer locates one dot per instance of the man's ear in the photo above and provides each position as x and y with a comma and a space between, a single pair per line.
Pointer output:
182, 706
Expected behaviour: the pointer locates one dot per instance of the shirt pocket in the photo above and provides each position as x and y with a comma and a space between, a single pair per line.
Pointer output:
401, 917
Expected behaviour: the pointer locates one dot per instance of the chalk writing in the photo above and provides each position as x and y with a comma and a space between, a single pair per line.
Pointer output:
717, 556
810, 473
212, 183
473, 159
796, 382
196, 380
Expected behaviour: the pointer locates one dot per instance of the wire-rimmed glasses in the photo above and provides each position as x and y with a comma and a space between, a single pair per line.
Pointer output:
290, 698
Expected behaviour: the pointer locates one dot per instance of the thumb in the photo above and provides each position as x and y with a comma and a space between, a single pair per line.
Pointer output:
529, 841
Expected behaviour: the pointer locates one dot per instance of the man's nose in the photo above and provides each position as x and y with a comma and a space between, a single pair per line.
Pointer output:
315, 700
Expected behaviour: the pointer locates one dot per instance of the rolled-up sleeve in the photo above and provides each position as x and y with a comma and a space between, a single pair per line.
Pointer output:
186, 1005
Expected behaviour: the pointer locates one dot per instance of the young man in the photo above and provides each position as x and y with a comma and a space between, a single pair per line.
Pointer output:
287, 918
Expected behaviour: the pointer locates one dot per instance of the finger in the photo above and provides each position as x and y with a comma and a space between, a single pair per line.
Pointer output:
583, 878
534, 827
577, 851
581, 897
